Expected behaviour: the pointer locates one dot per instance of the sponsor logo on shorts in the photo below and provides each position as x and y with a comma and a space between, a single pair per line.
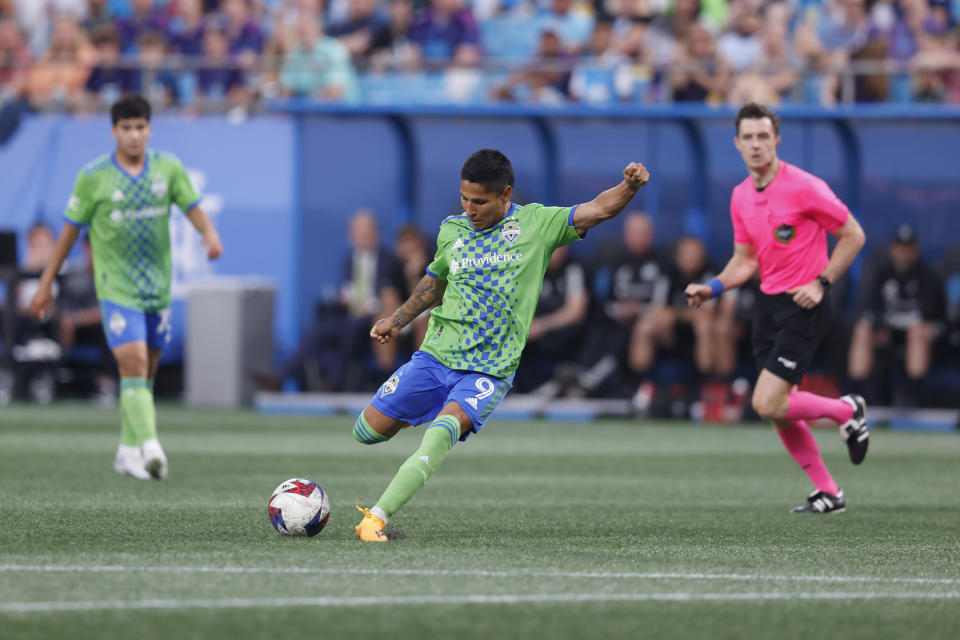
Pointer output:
785, 233
118, 323
789, 364
390, 386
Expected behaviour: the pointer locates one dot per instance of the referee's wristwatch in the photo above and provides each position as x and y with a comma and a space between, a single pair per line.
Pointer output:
824, 282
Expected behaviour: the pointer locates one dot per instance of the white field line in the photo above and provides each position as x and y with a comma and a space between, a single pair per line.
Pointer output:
249, 603
26, 568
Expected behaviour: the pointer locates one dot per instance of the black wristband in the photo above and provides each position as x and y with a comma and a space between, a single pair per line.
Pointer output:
824, 282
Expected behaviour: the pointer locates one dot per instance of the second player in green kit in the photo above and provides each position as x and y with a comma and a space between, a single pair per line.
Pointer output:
123, 199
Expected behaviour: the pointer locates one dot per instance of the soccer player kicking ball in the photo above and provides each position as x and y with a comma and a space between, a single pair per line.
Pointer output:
124, 198
779, 216
487, 273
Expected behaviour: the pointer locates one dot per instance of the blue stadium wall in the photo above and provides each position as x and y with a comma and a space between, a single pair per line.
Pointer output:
282, 187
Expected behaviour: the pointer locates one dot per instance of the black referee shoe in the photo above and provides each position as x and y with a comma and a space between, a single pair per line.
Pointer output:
823, 502
855, 431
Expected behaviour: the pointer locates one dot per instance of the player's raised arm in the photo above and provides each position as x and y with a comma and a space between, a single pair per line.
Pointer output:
612, 201
211, 239
738, 270
44, 295
428, 291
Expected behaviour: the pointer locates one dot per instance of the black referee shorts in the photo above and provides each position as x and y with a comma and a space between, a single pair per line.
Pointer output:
786, 336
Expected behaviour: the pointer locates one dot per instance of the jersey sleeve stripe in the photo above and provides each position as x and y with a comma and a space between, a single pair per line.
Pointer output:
570, 218
73, 222
192, 205
432, 274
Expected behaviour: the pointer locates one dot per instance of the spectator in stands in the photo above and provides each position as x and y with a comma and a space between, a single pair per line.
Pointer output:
318, 66
741, 45
774, 77
669, 30
144, 15
14, 73
392, 49
107, 80
98, 16
545, 79
219, 82
630, 287
699, 74
244, 36
332, 354
58, 78
557, 324
573, 23
602, 75
37, 19
363, 29
153, 80
901, 306
186, 28
446, 33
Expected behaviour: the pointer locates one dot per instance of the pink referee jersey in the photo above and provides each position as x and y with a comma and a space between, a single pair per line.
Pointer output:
787, 224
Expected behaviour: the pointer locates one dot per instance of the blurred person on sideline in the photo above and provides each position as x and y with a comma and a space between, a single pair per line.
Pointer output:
901, 311
413, 255
630, 284
558, 323
781, 215
332, 353
124, 198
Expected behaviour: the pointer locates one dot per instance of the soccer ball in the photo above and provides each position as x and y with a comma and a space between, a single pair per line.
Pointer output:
299, 507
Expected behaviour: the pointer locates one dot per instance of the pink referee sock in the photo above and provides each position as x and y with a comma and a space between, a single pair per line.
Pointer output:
808, 406
803, 448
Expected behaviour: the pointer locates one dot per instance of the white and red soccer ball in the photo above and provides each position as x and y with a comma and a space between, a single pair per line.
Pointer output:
299, 507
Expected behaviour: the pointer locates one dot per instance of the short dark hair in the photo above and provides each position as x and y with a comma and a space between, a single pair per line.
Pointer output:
490, 168
754, 111
130, 107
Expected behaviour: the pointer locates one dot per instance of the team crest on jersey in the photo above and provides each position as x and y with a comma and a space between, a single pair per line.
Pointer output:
390, 386
510, 231
454, 267
116, 215
159, 187
785, 233
117, 323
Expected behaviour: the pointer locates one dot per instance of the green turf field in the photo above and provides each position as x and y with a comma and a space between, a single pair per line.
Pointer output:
613, 529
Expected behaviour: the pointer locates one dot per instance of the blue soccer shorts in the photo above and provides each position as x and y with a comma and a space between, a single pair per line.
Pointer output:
417, 391
122, 325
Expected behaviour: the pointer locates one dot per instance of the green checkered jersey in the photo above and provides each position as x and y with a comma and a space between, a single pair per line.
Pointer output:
129, 226
493, 279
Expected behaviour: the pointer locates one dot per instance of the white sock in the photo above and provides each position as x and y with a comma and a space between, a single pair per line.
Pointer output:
377, 511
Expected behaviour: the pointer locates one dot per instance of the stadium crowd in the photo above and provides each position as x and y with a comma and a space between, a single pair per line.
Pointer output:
234, 54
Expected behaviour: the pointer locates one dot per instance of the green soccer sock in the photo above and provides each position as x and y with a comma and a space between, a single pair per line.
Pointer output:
137, 413
439, 438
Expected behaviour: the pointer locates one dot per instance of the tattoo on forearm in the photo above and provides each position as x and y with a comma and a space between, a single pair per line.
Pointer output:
424, 295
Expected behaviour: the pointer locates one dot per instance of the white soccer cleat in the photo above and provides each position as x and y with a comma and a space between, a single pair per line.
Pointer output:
129, 462
155, 460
